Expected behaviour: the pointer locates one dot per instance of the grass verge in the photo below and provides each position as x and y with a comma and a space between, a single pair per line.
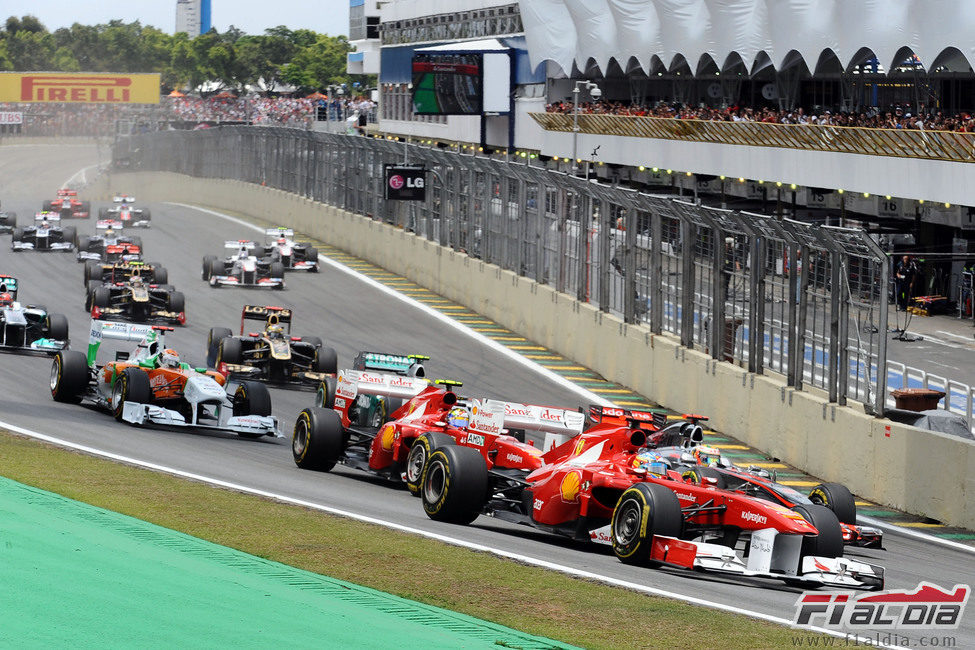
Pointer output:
523, 597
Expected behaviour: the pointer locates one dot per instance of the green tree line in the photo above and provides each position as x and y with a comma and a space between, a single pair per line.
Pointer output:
301, 58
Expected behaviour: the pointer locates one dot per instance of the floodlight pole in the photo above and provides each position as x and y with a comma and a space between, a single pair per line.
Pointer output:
590, 87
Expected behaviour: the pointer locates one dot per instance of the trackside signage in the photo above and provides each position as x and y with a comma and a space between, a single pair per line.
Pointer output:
405, 183
11, 118
928, 607
79, 87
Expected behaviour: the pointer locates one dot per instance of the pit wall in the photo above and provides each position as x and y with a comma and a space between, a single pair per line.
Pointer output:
915, 470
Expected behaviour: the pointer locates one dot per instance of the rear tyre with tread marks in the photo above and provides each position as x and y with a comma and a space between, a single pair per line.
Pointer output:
646, 507
318, 439
69, 376
455, 485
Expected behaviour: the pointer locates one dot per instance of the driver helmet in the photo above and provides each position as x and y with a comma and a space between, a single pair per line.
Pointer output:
169, 358
242, 253
458, 417
650, 461
707, 456
6, 299
136, 279
275, 331
282, 240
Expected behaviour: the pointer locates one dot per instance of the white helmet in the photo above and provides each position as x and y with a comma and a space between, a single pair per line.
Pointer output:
169, 358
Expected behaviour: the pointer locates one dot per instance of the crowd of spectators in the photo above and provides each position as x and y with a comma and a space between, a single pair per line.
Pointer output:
185, 112
894, 117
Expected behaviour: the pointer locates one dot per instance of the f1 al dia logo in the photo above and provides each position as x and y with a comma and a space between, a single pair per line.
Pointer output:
927, 607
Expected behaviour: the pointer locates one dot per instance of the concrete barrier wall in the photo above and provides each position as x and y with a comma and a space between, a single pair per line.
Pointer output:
919, 471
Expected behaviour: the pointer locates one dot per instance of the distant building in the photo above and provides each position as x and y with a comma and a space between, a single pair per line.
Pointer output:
193, 17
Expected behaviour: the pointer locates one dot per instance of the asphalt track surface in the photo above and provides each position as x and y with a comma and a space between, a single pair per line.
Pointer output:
349, 315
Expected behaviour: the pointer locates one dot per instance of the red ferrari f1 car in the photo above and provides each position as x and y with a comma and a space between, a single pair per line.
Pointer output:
431, 418
591, 488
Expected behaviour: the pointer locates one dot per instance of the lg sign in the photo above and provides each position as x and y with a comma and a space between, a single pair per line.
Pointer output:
405, 183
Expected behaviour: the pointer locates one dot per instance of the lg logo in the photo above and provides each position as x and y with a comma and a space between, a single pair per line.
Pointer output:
396, 182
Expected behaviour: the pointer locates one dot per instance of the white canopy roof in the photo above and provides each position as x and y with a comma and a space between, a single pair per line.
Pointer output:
567, 31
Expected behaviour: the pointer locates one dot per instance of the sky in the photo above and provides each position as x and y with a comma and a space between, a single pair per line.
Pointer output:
251, 16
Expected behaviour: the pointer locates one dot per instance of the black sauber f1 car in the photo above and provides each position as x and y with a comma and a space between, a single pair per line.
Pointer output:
243, 268
120, 271
133, 299
68, 206
46, 234
271, 355
281, 247
126, 213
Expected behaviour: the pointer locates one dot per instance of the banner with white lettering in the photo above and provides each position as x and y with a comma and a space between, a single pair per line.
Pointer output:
7, 117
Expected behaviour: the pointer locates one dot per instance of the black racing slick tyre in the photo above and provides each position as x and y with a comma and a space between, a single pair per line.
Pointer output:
93, 271
836, 497
317, 440
207, 263
643, 510
177, 301
84, 243
160, 275
216, 335
57, 327
131, 386
17, 234
455, 485
69, 376
252, 398
229, 351
325, 360
89, 293
420, 452
829, 541
325, 395
69, 234
313, 341
101, 297
698, 473
276, 270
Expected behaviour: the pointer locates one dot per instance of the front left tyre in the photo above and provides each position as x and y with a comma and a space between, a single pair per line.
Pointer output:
130, 386
317, 439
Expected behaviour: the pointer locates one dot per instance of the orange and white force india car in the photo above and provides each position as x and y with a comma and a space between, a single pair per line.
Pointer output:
594, 487
149, 385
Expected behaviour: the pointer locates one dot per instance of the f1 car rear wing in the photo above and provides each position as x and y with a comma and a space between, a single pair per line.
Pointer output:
396, 363
238, 244
492, 416
47, 216
274, 233
108, 224
67, 192
351, 383
655, 418
8, 284
123, 198
266, 314
115, 331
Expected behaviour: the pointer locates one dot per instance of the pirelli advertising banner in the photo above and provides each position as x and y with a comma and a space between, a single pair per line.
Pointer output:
79, 87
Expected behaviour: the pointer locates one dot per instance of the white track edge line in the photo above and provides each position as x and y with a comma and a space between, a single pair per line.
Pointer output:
909, 532
494, 345
545, 564
447, 320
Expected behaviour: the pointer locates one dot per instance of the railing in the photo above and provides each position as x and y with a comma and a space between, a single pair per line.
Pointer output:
805, 301
951, 146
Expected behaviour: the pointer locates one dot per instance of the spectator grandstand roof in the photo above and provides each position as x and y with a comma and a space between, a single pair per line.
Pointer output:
658, 35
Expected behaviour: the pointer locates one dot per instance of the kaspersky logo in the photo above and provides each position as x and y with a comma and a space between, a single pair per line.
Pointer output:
74, 88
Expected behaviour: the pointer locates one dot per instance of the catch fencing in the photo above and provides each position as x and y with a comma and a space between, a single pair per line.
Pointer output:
806, 301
